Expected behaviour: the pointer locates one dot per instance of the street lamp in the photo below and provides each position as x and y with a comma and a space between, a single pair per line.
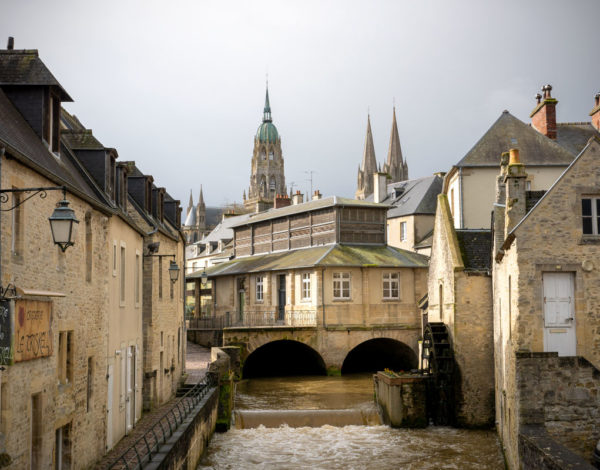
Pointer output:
203, 277
173, 272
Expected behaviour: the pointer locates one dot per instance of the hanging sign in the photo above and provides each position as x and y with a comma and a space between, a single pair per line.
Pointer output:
6, 333
33, 330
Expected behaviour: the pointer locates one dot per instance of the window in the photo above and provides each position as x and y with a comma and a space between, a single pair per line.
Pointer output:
259, 288
527, 185
391, 286
341, 285
590, 213
306, 286
65, 357
62, 449
114, 263
122, 280
402, 231
271, 155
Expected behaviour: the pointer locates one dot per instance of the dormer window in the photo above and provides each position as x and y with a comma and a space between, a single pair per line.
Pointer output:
148, 195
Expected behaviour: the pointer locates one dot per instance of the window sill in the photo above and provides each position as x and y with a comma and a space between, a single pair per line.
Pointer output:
394, 299
341, 300
589, 240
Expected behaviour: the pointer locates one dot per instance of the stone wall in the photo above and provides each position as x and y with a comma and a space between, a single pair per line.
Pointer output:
561, 394
402, 400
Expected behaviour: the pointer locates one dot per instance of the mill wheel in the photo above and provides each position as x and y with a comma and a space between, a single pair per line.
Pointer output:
438, 362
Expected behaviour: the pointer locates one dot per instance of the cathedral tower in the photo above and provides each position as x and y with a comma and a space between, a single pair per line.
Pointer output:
395, 166
368, 167
267, 177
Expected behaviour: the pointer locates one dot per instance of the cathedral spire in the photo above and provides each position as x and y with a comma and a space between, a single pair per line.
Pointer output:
368, 166
395, 165
190, 204
267, 110
201, 197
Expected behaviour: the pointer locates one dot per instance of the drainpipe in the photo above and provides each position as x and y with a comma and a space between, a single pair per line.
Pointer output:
323, 294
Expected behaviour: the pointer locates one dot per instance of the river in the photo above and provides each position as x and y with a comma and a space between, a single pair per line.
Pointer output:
352, 437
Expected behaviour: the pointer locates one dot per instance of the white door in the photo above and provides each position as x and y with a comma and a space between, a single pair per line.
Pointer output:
109, 410
129, 400
559, 314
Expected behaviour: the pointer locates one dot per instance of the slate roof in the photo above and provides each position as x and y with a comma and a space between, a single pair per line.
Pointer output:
15, 132
223, 230
332, 255
24, 67
213, 216
81, 140
531, 199
308, 206
475, 248
574, 136
416, 196
509, 132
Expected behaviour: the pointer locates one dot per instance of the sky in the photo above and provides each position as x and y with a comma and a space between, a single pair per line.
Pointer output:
179, 86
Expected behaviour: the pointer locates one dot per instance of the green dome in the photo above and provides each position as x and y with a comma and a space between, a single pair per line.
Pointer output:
267, 132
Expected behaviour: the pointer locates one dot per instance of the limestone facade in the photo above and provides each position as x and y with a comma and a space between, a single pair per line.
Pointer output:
548, 241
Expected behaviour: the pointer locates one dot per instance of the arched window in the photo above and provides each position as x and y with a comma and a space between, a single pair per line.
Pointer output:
263, 185
263, 154
272, 184
271, 155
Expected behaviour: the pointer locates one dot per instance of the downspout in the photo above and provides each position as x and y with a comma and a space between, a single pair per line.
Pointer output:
462, 209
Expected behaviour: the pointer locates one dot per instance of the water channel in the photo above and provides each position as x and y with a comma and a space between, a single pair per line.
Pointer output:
332, 423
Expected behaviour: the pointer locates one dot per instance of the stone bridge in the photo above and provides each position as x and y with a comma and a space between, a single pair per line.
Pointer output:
285, 350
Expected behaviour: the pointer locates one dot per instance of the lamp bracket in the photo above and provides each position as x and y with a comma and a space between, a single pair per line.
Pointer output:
41, 191
8, 292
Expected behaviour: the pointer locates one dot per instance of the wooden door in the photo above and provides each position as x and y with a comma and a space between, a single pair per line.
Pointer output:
559, 314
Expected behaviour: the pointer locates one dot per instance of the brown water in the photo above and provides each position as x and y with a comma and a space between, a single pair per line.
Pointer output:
320, 432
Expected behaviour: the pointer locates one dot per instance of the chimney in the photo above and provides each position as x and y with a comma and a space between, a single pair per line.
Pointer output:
317, 195
543, 117
595, 113
282, 200
11, 43
379, 186
297, 198
500, 205
515, 187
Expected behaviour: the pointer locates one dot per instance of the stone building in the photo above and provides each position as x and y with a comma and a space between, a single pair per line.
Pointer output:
200, 220
72, 343
395, 167
547, 310
411, 215
267, 177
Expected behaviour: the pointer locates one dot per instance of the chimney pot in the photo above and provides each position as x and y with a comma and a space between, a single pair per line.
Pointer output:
514, 157
11, 43
597, 98
538, 97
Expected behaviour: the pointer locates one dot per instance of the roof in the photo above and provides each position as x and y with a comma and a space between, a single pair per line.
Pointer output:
213, 216
574, 136
325, 256
81, 140
425, 242
417, 196
267, 132
324, 203
531, 199
509, 132
190, 220
24, 67
223, 230
475, 248
15, 132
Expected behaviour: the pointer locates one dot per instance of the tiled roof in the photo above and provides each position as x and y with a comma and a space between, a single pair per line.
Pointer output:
509, 132
574, 136
24, 67
16, 133
475, 248
326, 256
416, 196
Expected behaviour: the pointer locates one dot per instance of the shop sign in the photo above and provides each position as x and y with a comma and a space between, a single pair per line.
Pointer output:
33, 330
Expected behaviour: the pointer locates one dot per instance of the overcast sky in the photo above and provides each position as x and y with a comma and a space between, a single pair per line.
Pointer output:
179, 86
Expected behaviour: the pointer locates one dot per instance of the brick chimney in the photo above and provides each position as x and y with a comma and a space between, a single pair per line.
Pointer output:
595, 113
282, 200
298, 198
317, 195
543, 116
515, 187
379, 186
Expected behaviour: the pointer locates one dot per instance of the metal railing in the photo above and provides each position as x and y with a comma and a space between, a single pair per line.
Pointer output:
253, 318
142, 450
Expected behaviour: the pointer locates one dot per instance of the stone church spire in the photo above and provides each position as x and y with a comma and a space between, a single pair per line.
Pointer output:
267, 178
395, 166
190, 204
368, 167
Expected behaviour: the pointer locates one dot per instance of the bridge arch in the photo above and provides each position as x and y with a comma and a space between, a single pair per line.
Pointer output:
283, 358
379, 353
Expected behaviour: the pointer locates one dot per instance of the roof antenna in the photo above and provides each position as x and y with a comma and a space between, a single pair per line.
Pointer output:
11, 43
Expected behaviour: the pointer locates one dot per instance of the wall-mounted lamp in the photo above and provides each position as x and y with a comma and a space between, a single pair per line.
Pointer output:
62, 221
203, 277
173, 272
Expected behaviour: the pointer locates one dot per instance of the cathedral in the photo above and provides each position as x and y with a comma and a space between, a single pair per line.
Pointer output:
395, 166
267, 178
194, 227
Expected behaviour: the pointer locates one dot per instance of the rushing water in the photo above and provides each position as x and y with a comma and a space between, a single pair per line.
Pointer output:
265, 402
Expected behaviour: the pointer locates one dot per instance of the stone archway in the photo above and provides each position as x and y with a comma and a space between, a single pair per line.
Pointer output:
380, 353
283, 358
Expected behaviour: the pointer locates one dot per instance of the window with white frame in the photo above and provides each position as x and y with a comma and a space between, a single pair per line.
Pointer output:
402, 231
305, 286
391, 286
590, 214
341, 285
259, 288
